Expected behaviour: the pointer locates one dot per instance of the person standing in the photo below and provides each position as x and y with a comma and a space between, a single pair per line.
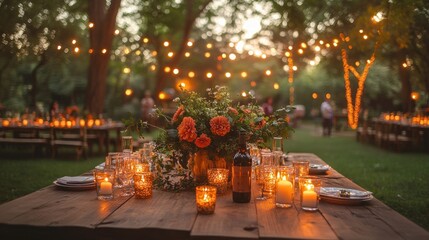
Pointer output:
147, 105
327, 116
267, 106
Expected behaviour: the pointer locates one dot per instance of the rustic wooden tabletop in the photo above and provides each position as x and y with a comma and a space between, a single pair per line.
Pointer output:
50, 213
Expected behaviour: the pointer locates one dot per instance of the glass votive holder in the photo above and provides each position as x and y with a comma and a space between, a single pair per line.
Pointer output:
206, 199
267, 159
309, 188
141, 167
143, 185
285, 187
270, 179
301, 168
104, 179
218, 177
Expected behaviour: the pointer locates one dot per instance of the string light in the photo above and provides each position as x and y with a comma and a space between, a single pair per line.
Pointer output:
76, 49
243, 94
190, 44
253, 84
268, 72
166, 44
209, 45
404, 65
232, 56
126, 70
175, 71
365, 37
187, 54
91, 51
243, 74
145, 40
227, 74
207, 54
191, 74
128, 92
276, 86
59, 47
314, 95
300, 51
170, 54
153, 67
167, 69
91, 25
116, 32
104, 51
209, 75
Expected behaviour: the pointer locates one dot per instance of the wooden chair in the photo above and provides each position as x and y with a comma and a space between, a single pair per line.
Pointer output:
69, 137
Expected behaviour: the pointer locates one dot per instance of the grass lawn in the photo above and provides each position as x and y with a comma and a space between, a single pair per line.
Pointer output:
401, 180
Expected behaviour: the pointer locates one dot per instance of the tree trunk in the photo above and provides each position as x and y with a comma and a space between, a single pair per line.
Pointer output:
101, 36
33, 79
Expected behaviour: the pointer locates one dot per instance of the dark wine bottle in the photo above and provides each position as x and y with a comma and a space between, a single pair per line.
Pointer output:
241, 173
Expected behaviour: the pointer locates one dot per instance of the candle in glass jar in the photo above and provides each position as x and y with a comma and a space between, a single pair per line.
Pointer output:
143, 185
105, 187
205, 199
284, 192
218, 177
309, 197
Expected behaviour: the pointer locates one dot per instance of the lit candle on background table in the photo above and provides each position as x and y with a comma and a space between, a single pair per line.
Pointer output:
205, 199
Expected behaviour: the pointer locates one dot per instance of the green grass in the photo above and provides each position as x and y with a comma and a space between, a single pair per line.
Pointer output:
400, 180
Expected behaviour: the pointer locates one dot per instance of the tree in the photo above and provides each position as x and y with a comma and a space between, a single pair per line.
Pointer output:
103, 18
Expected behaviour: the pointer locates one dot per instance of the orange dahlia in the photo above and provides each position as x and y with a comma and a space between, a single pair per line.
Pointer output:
178, 112
187, 130
220, 125
203, 141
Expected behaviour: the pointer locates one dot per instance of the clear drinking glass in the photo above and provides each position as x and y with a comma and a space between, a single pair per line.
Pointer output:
127, 143
277, 144
267, 159
259, 177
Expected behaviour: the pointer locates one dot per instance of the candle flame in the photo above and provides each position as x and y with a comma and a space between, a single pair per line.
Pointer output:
309, 186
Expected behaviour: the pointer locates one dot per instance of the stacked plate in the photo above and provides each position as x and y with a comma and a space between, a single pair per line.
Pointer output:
318, 169
344, 196
75, 182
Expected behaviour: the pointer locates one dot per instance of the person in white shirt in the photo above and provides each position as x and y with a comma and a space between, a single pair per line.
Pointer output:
327, 116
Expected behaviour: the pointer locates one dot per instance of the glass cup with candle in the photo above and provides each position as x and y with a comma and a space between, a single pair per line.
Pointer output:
309, 188
269, 175
105, 179
218, 177
285, 186
143, 185
206, 199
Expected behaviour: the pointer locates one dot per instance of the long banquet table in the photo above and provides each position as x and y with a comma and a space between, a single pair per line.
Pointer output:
50, 213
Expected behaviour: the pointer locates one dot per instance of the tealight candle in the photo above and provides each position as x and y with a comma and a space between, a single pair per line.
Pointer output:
104, 179
309, 188
218, 177
143, 185
206, 199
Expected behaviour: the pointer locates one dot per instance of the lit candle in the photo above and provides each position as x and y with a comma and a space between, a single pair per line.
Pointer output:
309, 197
105, 187
205, 199
143, 185
218, 177
284, 192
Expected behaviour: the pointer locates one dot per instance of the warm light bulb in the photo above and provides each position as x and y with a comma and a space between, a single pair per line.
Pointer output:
191, 74
232, 56
126, 70
268, 72
104, 51
91, 25
145, 40
243, 74
166, 44
209, 75
187, 54
175, 71
190, 44
228, 74
170, 54
314, 95
116, 32
167, 69
209, 45
207, 54
128, 92
276, 86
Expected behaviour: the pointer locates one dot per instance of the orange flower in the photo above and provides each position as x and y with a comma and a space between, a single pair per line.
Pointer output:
187, 130
220, 125
178, 113
233, 110
203, 141
260, 124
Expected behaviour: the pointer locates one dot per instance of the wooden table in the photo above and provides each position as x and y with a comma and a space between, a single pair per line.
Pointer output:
54, 214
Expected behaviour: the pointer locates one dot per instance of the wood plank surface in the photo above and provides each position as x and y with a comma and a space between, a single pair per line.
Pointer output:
230, 220
52, 211
163, 216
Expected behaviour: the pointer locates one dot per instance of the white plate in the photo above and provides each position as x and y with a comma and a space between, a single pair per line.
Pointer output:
318, 169
332, 195
77, 187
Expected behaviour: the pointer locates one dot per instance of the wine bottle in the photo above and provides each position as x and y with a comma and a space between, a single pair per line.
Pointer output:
241, 173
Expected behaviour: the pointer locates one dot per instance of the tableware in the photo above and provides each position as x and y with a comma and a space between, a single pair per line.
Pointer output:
259, 177
301, 168
74, 187
344, 196
218, 177
285, 187
105, 180
143, 185
270, 179
309, 189
318, 169
206, 199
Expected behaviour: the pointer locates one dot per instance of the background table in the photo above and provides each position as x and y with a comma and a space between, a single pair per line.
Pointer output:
54, 214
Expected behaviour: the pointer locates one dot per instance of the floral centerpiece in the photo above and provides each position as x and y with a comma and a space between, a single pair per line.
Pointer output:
204, 131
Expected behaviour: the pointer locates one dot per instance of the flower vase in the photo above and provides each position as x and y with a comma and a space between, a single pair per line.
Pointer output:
200, 166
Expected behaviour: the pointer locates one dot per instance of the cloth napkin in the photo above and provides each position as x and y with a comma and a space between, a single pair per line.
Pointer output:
71, 180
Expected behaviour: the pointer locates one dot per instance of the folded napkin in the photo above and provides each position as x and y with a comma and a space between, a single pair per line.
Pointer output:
70, 180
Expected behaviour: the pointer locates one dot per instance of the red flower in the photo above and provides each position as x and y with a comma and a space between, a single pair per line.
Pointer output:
203, 141
187, 130
220, 125
260, 124
178, 113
